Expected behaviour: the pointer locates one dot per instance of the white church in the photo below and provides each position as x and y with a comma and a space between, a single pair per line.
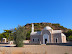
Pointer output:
47, 35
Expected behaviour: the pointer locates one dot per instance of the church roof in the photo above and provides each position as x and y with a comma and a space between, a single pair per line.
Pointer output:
36, 33
62, 34
47, 28
56, 31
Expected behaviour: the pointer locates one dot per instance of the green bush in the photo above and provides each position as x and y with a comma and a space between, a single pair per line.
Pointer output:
35, 24
28, 35
70, 38
19, 36
56, 24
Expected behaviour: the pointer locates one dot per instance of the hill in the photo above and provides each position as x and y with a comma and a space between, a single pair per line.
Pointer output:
40, 26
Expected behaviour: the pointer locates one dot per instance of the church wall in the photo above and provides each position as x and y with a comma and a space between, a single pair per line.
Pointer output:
35, 38
63, 39
46, 32
58, 37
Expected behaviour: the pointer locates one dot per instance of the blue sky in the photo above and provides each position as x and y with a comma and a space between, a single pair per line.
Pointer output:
21, 12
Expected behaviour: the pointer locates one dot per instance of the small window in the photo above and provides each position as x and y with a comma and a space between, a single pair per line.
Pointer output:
38, 39
33, 40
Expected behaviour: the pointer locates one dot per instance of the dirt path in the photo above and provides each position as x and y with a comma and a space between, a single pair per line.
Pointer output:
37, 49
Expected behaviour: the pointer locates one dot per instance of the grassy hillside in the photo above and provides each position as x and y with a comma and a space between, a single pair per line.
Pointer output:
40, 26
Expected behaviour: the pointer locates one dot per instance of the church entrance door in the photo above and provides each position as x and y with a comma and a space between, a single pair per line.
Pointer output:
45, 41
45, 38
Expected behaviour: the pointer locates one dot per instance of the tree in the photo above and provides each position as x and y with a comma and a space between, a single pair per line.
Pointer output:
1, 36
6, 34
69, 35
28, 35
19, 36
70, 38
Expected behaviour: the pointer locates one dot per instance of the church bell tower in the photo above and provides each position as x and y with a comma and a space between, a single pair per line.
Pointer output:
32, 27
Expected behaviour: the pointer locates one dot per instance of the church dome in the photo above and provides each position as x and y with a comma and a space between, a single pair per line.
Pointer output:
47, 28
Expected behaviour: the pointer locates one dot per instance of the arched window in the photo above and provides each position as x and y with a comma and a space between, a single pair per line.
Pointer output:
38, 39
33, 40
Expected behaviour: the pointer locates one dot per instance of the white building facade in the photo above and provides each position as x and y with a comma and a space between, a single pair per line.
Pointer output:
47, 35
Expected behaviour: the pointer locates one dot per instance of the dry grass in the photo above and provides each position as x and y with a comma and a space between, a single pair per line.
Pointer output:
37, 49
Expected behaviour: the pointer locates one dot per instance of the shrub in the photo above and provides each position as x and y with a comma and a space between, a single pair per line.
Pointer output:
28, 35
70, 38
19, 36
